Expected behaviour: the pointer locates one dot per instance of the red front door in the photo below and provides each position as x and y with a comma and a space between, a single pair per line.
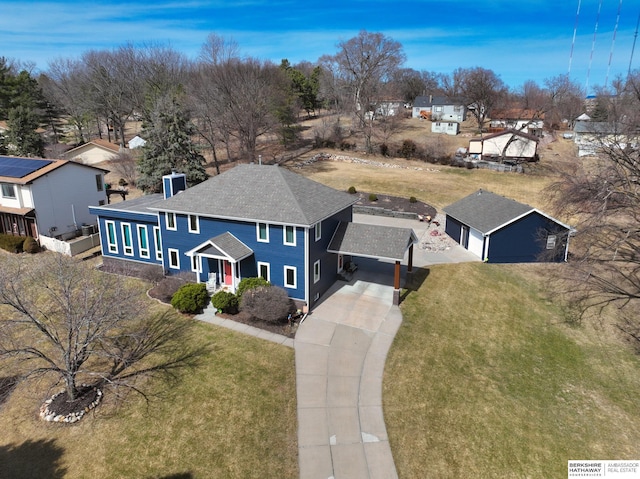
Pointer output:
228, 278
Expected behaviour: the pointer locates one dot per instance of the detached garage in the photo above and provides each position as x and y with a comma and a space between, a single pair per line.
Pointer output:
501, 230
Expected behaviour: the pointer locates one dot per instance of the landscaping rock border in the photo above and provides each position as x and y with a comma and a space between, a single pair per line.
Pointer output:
50, 416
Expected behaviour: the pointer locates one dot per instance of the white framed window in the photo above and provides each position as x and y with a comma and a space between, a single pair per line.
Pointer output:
262, 232
194, 224
8, 190
174, 258
112, 242
195, 264
289, 233
551, 241
316, 271
171, 221
127, 240
143, 241
157, 242
264, 270
290, 276
318, 230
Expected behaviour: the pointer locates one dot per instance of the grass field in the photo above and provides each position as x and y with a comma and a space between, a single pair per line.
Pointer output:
485, 379
234, 416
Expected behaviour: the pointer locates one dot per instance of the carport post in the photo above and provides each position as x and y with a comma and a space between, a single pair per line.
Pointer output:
396, 284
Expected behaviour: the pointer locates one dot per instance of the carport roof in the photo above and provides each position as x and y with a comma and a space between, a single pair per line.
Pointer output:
372, 241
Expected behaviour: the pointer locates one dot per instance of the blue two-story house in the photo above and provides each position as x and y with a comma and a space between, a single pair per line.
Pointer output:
252, 220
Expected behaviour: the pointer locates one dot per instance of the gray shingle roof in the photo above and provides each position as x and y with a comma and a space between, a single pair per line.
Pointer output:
371, 241
224, 246
136, 205
486, 211
260, 192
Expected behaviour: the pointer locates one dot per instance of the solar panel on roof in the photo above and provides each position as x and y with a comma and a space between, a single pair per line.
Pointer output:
20, 167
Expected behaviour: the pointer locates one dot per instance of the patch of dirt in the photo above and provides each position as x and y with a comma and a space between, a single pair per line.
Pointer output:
61, 406
395, 203
284, 329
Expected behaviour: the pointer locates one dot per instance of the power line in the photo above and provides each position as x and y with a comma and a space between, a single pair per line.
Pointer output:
615, 30
593, 45
573, 42
635, 37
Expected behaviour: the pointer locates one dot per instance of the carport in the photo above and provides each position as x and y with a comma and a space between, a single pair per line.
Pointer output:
377, 242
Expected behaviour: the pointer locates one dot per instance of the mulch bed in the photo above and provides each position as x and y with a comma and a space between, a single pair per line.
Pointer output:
395, 203
61, 406
282, 328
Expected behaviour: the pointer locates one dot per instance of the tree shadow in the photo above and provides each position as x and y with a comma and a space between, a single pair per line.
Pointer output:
179, 475
414, 281
32, 459
7, 385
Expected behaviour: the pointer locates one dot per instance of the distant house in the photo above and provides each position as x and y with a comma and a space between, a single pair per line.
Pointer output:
505, 145
521, 119
501, 230
591, 136
448, 127
136, 142
49, 197
93, 152
384, 108
439, 108
252, 220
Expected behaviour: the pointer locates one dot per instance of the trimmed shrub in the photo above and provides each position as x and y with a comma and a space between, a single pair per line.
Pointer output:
190, 298
352, 190
225, 301
267, 303
250, 283
373, 197
30, 245
11, 243
413, 199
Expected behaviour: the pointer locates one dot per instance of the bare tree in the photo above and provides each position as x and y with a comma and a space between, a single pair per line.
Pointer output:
482, 90
65, 320
565, 100
604, 198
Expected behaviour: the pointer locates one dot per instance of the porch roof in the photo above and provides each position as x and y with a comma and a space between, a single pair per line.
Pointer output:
372, 241
224, 246
15, 211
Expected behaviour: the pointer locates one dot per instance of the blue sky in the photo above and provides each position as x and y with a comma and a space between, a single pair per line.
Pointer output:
518, 39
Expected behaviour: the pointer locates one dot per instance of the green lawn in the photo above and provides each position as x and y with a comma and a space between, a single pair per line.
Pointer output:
234, 416
485, 379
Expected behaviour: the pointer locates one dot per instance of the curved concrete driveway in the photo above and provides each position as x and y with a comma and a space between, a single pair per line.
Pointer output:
340, 353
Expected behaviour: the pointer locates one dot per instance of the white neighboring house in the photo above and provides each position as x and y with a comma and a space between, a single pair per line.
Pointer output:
592, 136
521, 119
136, 142
49, 197
450, 128
507, 144
439, 108
94, 152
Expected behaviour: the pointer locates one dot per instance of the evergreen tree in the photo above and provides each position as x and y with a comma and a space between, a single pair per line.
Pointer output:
22, 137
169, 147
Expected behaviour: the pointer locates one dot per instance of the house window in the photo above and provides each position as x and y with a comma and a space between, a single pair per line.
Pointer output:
316, 271
112, 243
195, 264
174, 258
290, 235
8, 190
290, 277
171, 221
194, 224
143, 241
157, 242
551, 241
318, 230
264, 270
99, 183
262, 231
126, 239
438, 108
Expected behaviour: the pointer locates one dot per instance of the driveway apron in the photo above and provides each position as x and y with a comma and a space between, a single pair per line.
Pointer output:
340, 352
